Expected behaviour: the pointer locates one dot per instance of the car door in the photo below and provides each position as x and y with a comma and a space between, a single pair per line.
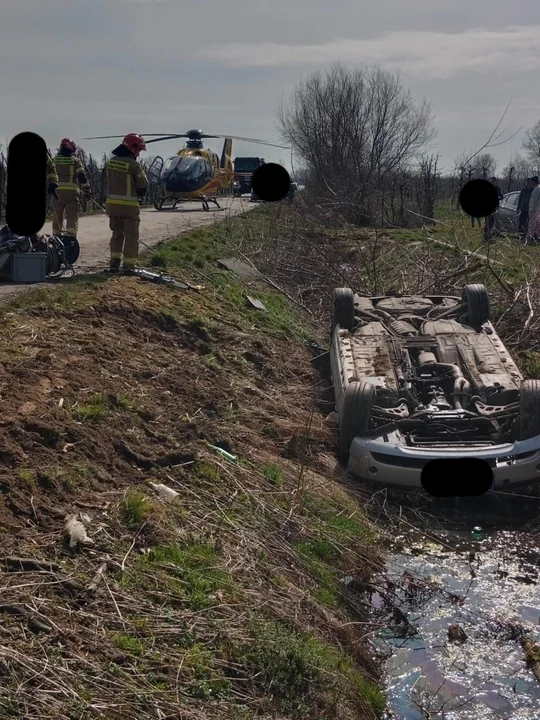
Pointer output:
507, 214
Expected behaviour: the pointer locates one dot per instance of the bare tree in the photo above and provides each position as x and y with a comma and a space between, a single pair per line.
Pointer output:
484, 165
353, 129
517, 171
531, 145
429, 186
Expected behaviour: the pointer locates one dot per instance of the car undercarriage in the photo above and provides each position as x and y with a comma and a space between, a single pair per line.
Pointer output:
427, 373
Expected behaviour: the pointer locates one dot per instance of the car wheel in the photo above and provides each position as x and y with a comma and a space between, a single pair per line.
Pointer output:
476, 299
343, 308
355, 415
529, 409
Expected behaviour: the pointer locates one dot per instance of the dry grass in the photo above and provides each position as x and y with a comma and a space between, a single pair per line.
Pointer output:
183, 610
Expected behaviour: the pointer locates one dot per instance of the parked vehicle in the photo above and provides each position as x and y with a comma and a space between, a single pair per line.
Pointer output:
505, 218
244, 167
423, 378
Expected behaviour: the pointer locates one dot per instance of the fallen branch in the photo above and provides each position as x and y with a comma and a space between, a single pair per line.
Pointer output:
531, 315
483, 258
29, 565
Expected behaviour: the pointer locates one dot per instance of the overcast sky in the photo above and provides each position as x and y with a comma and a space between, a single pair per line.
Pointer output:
97, 67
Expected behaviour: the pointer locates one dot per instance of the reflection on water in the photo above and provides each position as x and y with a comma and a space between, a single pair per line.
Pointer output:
489, 590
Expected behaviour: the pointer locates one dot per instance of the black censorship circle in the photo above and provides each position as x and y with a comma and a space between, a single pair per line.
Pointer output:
460, 477
271, 182
26, 200
479, 198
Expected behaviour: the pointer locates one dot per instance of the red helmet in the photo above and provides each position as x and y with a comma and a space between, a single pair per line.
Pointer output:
68, 144
135, 143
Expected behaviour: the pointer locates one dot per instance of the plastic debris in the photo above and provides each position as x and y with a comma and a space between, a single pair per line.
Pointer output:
165, 492
477, 532
76, 532
257, 304
224, 453
160, 278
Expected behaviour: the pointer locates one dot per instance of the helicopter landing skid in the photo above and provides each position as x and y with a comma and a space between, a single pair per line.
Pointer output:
158, 204
206, 204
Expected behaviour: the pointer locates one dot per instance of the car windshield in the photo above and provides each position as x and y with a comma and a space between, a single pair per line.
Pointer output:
247, 164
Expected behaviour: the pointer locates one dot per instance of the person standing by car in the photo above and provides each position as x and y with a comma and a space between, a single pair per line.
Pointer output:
533, 229
523, 205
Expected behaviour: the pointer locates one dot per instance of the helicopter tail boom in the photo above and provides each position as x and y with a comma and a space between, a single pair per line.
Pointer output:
227, 151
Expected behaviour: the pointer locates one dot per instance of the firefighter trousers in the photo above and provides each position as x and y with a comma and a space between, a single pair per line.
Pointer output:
125, 238
67, 206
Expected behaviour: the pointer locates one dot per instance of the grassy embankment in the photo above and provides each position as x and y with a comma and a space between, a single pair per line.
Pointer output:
227, 603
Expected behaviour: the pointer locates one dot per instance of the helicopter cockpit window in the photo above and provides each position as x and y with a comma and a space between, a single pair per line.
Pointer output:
171, 163
191, 167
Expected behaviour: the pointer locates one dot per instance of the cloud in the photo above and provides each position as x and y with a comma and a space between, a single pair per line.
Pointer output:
430, 55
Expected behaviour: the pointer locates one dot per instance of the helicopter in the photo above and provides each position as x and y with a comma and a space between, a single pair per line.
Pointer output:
194, 173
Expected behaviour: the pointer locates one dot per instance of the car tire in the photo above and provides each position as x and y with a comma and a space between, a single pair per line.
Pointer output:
476, 299
529, 409
355, 415
343, 308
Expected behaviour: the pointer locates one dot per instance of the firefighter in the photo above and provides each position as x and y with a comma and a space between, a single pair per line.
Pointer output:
52, 177
71, 175
126, 187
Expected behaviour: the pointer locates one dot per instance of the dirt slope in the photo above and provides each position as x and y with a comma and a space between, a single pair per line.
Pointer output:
229, 602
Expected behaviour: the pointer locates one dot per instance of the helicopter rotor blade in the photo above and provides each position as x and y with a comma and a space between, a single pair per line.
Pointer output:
250, 140
157, 137
167, 137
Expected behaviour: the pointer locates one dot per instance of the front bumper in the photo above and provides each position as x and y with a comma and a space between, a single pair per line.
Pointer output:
390, 463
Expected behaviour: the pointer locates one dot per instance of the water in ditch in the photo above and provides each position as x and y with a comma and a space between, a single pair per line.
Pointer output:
459, 613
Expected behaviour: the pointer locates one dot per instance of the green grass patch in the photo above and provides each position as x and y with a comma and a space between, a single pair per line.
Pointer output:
95, 409
129, 644
27, 476
297, 671
205, 681
273, 474
346, 530
190, 572
135, 509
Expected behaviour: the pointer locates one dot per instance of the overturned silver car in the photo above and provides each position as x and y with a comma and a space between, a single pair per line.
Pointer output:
423, 378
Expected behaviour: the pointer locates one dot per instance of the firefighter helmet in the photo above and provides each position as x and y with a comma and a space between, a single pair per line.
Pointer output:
135, 143
68, 144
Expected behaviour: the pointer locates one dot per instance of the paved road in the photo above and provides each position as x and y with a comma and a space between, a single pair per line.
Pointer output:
156, 226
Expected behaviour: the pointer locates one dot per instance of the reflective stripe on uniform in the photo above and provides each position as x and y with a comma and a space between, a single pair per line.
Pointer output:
130, 203
118, 165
